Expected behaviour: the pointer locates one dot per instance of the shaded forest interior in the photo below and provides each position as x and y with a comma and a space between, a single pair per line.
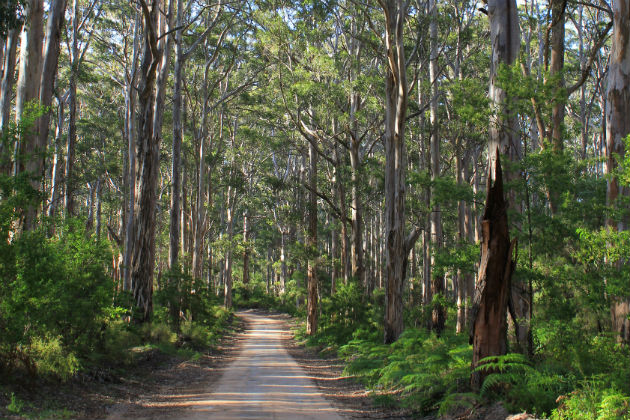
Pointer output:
439, 189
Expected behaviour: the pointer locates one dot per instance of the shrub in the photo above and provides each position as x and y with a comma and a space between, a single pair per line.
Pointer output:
53, 287
199, 336
593, 402
51, 359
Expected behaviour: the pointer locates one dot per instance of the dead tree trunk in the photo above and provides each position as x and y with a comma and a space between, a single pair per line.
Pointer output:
489, 313
489, 318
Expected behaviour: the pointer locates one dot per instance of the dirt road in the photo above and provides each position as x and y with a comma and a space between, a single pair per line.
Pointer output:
262, 382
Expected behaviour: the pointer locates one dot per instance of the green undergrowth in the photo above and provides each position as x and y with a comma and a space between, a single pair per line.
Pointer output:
426, 372
431, 374
63, 313
253, 295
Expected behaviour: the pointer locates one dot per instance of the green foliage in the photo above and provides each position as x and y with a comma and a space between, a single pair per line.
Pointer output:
593, 401
425, 369
53, 287
15, 405
51, 359
254, 295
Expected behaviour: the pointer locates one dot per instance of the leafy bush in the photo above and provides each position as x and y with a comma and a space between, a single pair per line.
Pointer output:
198, 336
158, 333
53, 287
593, 401
51, 359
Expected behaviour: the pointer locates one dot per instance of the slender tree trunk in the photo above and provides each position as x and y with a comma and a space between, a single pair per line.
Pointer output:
583, 61
228, 254
558, 17
312, 282
174, 234
556, 79
89, 223
334, 238
395, 165
72, 113
283, 262
99, 191
438, 288
130, 130
200, 213
49, 72
356, 251
461, 224
617, 129
184, 212
57, 161
200, 209
246, 252
6, 92
340, 194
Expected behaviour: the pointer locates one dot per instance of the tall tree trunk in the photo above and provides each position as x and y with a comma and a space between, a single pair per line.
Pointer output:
618, 128
395, 165
246, 252
147, 144
356, 250
334, 239
556, 79
72, 113
174, 232
200, 213
340, 194
283, 262
49, 72
57, 161
30, 69
130, 130
200, 209
29, 82
99, 199
227, 299
438, 287
312, 310
558, 17
461, 225
89, 223
6, 92
489, 317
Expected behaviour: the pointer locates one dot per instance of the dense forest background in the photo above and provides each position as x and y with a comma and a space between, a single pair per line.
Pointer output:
408, 176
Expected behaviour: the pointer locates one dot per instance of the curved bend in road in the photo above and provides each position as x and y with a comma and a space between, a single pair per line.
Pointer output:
262, 382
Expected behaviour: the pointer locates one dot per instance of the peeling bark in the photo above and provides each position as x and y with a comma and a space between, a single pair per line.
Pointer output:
395, 166
617, 128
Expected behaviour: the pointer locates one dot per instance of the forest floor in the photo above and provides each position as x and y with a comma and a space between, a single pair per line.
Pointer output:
260, 360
